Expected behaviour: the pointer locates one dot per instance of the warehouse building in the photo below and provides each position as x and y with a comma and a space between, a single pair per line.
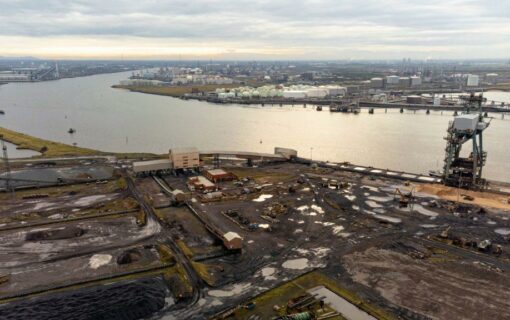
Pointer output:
184, 158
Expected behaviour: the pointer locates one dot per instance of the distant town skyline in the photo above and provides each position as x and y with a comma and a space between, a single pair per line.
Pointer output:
261, 30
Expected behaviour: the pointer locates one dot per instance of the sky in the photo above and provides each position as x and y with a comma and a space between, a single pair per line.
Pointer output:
265, 30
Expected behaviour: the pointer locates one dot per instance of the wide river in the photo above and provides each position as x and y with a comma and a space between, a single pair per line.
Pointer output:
117, 120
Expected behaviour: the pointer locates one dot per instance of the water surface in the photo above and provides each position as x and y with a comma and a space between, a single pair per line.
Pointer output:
117, 120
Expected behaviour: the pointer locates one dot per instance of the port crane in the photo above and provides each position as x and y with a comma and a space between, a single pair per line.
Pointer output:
466, 172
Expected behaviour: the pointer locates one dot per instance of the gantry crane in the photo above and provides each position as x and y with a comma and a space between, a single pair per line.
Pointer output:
466, 172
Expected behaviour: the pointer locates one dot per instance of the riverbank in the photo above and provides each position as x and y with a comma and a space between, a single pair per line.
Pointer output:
49, 148
175, 91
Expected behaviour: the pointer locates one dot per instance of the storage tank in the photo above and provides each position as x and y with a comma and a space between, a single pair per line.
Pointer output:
316, 93
294, 94
473, 80
404, 81
336, 90
392, 79
437, 100
415, 81
491, 78
376, 82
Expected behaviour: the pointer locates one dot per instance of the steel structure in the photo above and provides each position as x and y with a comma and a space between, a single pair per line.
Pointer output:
466, 172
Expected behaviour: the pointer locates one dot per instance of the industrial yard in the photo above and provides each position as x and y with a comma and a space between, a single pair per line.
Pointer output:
240, 235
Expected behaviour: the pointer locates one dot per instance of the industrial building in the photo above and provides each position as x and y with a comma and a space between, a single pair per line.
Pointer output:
184, 158
217, 175
201, 183
232, 241
286, 152
152, 166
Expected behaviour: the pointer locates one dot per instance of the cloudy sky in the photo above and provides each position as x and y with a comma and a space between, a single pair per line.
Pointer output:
239, 29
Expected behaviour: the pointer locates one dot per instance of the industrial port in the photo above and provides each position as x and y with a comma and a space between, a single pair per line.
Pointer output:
211, 234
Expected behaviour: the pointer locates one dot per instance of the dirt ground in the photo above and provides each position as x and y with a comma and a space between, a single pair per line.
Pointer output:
444, 290
484, 199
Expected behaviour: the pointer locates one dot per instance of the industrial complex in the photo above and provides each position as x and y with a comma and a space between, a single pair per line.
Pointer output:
204, 234
236, 234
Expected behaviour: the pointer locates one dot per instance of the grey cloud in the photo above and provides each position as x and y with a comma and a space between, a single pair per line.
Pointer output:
275, 23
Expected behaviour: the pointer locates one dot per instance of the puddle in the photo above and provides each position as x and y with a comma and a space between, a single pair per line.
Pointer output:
424, 211
373, 204
87, 201
268, 272
374, 189
99, 260
263, 197
350, 197
235, 289
317, 208
296, 264
337, 230
503, 231
381, 199
388, 218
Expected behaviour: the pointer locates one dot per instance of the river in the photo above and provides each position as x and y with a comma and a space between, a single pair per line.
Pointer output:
117, 120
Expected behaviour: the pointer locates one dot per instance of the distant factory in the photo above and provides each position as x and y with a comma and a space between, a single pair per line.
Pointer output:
279, 91
175, 77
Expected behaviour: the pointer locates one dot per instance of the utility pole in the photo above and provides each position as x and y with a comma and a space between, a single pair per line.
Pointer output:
7, 168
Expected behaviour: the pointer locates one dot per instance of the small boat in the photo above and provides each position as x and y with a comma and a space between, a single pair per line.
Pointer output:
71, 130
2, 112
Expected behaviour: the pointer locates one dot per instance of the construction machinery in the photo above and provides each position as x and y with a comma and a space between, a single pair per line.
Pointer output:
466, 172
403, 198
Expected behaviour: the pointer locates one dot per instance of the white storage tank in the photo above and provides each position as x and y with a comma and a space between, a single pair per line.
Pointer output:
376, 82
473, 80
437, 100
294, 94
316, 93
404, 81
415, 81
392, 79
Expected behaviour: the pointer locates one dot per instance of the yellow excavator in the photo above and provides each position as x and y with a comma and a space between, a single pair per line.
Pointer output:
404, 197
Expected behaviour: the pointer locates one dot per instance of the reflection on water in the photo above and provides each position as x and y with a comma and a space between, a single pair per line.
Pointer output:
118, 120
